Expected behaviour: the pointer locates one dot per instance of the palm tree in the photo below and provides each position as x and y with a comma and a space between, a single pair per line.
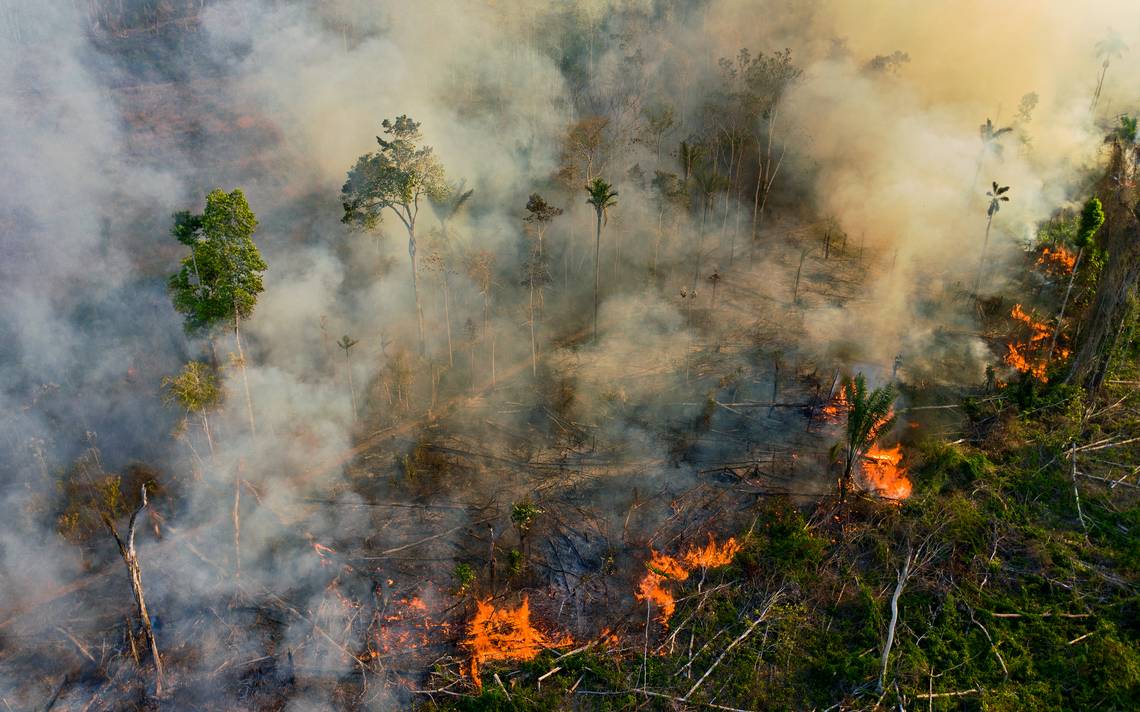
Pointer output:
448, 204
997, 197
870, 415
602, 197
1111, 46
990, 136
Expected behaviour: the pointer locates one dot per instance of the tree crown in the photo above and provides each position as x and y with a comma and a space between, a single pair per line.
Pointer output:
395, 177
221, 278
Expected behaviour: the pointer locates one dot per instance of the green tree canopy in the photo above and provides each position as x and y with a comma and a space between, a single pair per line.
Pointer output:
195, 388
1092, 217
395, 177
221, 277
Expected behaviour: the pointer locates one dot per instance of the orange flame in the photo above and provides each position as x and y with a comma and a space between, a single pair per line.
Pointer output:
837, 408
883, 472
407, 624
505, 634
664, 568
710, 555
1060, 260
1031, 356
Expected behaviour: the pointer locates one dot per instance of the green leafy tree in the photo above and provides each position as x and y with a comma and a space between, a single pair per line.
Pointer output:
220, 280
870, 415
396, 178
997, 196
197, 391
1127, 129
523, 516
1092, 217
602, 197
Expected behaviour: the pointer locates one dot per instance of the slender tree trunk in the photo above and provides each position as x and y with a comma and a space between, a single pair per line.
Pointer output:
657, 242
244, 375
982, 258
765, 165
471, 356
597, 271
237, 521
447, 318
700, 244
416, 287
206, 431
533, 350
1099, 86
796, 286
351, 387
1064, 303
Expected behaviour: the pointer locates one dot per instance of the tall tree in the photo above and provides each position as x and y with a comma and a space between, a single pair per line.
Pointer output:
767, 78
535, 277
220, 280
668, 190
870, 415
539, 216
396, 177
602, 197
481, 269
1092, 217
997, 196
708, 184
346, 343
1107, 49
439, 260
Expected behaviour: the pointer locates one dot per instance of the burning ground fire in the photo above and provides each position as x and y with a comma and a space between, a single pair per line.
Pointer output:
505, 634
884, 473
1031, 356
407, 625
1058, 260
664, 568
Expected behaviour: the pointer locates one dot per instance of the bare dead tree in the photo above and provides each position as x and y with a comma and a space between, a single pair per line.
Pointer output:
131, 559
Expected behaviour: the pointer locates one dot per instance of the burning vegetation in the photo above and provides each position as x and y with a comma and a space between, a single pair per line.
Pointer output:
505, 634
663, 570
883, 472
1030, 352
558, 367
1057, 259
